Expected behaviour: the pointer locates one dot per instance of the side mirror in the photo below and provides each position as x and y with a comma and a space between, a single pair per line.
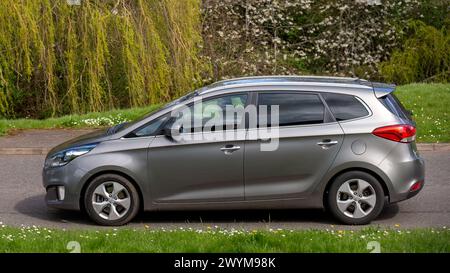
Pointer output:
170, 129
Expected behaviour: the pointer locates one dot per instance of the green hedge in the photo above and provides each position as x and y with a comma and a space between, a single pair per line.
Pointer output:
425, 56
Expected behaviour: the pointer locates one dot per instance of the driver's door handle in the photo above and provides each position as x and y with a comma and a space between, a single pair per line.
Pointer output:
229, 149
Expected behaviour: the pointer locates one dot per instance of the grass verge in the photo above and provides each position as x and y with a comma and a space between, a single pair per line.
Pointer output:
430, 106
34, 239
90, 120
428, 102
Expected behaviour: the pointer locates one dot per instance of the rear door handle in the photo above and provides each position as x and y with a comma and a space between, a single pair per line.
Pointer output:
229, 149
325, 144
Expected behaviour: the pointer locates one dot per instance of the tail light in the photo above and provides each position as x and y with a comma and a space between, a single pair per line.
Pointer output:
399, 133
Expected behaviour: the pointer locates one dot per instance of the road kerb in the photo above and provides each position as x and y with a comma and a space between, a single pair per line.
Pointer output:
24, 151
433, 146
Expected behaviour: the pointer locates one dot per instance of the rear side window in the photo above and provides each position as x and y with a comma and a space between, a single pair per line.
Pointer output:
345, 107
295, 109
395, 106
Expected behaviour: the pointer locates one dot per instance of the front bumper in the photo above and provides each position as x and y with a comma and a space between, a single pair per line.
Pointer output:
68, 176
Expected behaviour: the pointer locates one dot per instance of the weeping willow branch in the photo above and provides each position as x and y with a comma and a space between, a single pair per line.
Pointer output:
103, 54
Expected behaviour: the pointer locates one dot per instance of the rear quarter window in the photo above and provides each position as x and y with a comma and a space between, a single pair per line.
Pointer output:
391, 102
345, 107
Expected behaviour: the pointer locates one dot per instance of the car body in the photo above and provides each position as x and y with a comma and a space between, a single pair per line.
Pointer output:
360, 121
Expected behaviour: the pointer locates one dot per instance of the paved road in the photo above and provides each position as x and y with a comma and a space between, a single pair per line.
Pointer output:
22, 203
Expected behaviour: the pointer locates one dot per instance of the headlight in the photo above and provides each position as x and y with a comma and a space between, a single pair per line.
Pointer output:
62, 158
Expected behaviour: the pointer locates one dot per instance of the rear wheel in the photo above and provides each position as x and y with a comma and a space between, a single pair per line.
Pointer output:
111, 200
356, 198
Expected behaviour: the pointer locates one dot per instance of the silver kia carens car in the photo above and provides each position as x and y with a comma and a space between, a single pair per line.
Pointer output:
344, 144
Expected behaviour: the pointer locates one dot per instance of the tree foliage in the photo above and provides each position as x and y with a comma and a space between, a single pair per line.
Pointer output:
424, 56
56, 58
338, 37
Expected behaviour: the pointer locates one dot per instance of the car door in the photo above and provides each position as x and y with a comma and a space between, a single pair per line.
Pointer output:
200, 168
308, 142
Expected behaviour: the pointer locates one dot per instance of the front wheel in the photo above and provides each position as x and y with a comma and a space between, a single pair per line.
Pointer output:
111, 200
356, 198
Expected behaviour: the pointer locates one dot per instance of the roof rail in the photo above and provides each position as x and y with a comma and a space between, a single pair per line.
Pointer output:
255, 79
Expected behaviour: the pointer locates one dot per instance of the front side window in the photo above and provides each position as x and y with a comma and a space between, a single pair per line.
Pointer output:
219, 113
345, 107
294, 108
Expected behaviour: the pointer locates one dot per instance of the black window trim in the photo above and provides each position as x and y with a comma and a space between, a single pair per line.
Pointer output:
252, 99
328, 118
352, 119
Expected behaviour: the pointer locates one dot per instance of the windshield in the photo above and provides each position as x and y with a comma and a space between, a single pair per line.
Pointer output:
122, 126
182, 99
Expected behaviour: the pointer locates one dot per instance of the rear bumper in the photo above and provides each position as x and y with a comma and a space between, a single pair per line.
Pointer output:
397, 197
404, 169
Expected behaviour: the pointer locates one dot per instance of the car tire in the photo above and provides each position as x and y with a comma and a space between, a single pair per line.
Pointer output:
363, 205
111, 200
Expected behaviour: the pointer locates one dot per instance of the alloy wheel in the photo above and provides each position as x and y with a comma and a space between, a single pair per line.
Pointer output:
111, 200
356, 198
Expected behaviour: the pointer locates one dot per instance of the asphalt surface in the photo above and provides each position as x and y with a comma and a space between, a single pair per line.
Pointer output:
22, 202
